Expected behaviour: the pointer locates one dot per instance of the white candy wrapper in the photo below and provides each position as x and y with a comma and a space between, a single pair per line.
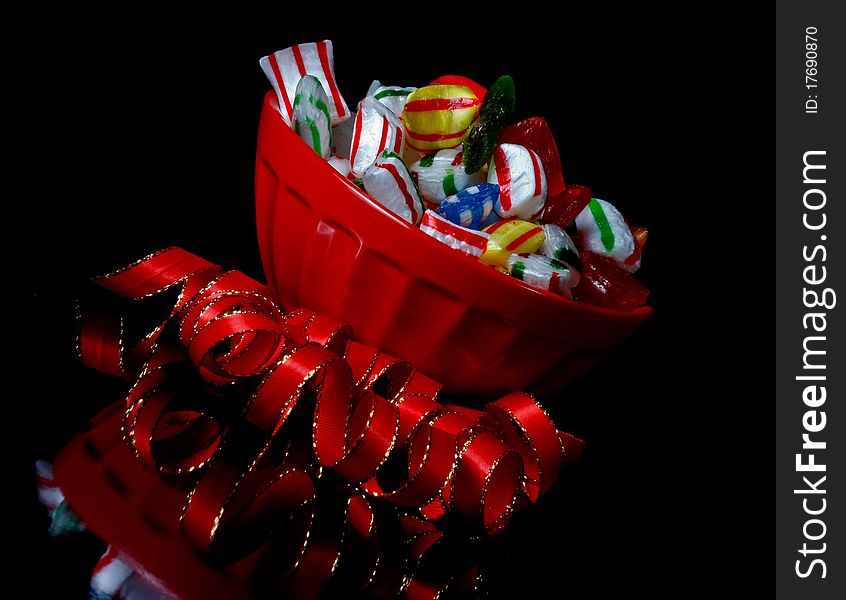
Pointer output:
376, 130
341, 165
311, 118
285, 68
392, 96
522, 181
468, 241
389, 183
560, 246
603, 230
442, 174
543, 273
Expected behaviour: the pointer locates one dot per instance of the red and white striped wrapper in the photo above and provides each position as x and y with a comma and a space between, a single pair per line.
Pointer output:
389, 183
115, 576
522, 181
49, 494
285, 68
468, 241
376, 129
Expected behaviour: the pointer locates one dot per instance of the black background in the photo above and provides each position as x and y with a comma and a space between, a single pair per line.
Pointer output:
122, 143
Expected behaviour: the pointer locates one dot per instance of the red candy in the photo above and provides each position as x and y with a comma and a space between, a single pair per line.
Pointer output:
479, 90
603, 283
563, 210
534, 133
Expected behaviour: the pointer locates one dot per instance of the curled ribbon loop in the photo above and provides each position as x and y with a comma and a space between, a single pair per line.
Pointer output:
267, 408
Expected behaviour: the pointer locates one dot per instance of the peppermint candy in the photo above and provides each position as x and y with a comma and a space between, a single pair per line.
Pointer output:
311, 118
285, 68
389, 183
468, 241
522, 183
442, 174
543, 273
560, 246
376, 130
392, 96
603, 230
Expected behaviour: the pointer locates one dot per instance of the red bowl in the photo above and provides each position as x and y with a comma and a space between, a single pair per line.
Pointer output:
326, 246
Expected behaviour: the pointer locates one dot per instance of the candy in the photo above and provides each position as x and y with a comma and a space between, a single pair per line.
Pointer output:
534, 134
438, 116
311, 118
342, 136
465, 240
603, 230
511, 236
284, 69
442, 174
522, 183
376, 129
495, 112
341, 165
604, 283
564, 208
544, 273
470, 207
389, 183
559, 246
392, 96
640, 235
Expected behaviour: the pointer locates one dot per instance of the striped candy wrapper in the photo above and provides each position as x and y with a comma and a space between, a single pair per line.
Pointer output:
392, 96
438, 116
62, 519
285, 68
470, 207
442, 174
560, 246
376, 130
468, 241
311, 118
115, 576
543, 273
522, 183
603, 230
389, 183
511, 236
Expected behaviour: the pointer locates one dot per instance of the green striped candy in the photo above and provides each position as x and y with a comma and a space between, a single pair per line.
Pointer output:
311, 120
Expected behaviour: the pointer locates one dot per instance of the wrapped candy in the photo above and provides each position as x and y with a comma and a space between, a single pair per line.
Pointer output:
534, 134
341, 165
522, 184
511, 236
311, 118
376, 130
342, 136
462, 239
285, 68
565, 207
389, 183
544, 273
603, 230
442, 174
438, 116
560, 246
392, 96
604, 283
470, 207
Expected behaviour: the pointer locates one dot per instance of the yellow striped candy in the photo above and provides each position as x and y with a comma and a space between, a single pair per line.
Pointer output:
509, 237
438, 116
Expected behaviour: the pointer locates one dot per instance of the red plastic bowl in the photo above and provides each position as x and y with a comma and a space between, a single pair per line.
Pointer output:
326, 246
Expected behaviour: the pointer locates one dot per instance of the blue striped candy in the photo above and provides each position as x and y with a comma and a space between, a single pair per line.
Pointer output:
470, 207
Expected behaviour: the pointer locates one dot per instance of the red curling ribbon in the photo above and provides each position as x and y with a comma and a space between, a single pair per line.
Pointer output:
257, 404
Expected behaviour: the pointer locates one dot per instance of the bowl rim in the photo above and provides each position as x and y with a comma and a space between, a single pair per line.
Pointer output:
638, 314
